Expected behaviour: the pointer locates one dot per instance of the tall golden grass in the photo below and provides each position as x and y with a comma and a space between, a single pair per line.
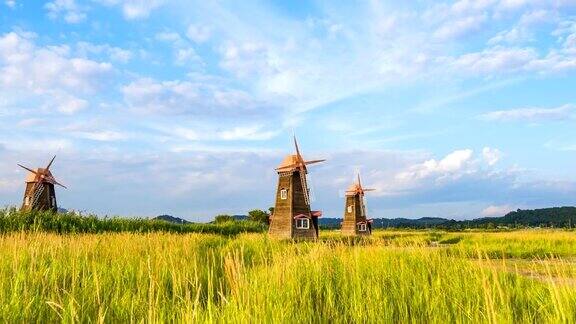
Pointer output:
391, 277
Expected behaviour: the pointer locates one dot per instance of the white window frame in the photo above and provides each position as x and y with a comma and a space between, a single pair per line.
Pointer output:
362, 227
350, 209
302, 223
27, 201
283, 194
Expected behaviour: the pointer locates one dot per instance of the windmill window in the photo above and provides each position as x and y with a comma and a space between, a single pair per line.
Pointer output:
53, 201
349, 208
302, 223
284, 194
362, 227
27, 200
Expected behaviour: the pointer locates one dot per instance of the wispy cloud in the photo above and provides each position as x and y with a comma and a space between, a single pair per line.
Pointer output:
69, 10
564, 112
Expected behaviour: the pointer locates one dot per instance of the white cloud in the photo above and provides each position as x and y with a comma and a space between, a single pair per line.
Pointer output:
513, 36
68, 104
491, 155
570, 43
531, 114
187, 55
247, 133
201, 97
40, 68
167, 36
29, 122
186, 133
205, 133
114, 53
44, 145
135, 9
48, 73
10, 3
67, 9
496, 211
450, 164
102, 136
450, 168
496, 60
461, 27
249, 58
184, 53
198, 33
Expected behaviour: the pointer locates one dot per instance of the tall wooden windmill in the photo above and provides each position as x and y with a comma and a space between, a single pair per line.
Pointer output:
355, 221
292, 218
40, 193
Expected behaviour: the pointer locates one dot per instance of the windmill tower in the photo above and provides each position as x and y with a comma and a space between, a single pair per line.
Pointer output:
40, 193
355, 221
292, 218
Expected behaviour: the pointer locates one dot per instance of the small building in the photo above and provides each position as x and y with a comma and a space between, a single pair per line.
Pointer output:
292, 217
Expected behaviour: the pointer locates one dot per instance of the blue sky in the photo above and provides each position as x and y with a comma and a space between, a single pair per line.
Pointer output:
450, 109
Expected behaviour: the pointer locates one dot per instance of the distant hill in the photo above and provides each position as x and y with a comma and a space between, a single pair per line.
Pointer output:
240, 217
390, 222
545, 217
171, 219
556, 217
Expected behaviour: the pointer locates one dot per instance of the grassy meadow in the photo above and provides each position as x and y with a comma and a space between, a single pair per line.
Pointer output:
394, 276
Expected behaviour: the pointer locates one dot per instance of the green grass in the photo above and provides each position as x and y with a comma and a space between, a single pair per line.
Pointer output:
12, 220
393, 276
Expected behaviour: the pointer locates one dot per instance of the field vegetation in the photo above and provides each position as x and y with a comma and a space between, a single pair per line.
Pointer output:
393, 276
12, 220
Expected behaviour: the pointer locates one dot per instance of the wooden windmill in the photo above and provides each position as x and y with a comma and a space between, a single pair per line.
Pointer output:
355, 221
292, 218
40, 193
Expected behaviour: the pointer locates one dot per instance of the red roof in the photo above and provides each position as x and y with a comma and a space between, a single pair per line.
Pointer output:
314, 213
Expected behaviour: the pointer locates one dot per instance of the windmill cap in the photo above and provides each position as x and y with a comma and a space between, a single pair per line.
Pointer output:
31, 177
288, 161
354, 187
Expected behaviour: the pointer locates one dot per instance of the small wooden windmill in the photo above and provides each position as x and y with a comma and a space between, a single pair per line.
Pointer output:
292, 218
40, 193
355, 221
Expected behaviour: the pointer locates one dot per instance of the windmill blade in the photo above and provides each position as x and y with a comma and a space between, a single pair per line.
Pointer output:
36, 173
49, 164
313, 161
359, 182
297, 149
368, 189
54, 182
61, 185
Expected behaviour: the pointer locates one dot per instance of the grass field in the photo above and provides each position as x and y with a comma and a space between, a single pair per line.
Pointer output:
394, 276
